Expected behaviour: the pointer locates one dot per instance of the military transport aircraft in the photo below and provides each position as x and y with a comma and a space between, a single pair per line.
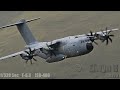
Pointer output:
59, 49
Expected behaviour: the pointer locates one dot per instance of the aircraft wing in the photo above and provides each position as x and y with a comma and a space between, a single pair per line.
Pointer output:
112, 30
12, 55
101, 32
51, 47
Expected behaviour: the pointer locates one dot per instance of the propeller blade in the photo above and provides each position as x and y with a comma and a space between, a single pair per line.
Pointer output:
102, 32
107, 42
30, 61
109, 32
87, 35
26, 61
110, 39
92, 38
30, 50
96, 35
30, 55
51, 51
91, 33
48, 46
112, 35
96, 43
103, 40
34, 59
106, 30
107, 36
27, 52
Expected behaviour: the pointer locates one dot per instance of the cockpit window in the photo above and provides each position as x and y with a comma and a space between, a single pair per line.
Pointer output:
83, 41
76, 36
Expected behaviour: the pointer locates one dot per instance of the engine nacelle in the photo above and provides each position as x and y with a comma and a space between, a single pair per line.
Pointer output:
56, 58
24, 56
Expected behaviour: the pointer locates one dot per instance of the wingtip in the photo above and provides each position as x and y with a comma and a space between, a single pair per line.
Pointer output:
115, 29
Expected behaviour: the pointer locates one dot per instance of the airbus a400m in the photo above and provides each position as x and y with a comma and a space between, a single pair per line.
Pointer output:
59, 49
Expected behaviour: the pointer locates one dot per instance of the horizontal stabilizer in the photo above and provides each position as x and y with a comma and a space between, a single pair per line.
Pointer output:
24, 30
19, 22
32, 20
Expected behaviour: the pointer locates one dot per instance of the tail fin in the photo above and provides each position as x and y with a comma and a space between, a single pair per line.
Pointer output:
24, 30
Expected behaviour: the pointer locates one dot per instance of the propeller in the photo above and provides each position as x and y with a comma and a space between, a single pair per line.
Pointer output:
107, 36
51, 50
30, 55
92, 39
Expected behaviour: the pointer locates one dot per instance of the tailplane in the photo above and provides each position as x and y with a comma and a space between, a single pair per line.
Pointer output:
24, 30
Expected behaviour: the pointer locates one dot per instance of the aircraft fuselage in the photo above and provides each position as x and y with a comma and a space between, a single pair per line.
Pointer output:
71, 46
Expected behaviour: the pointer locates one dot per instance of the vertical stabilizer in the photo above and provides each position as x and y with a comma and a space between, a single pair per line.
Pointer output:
26, 33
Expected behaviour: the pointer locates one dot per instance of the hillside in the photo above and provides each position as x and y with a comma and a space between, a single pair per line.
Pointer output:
58, 24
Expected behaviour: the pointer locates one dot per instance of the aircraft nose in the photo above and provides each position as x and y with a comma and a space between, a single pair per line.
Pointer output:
89, 46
